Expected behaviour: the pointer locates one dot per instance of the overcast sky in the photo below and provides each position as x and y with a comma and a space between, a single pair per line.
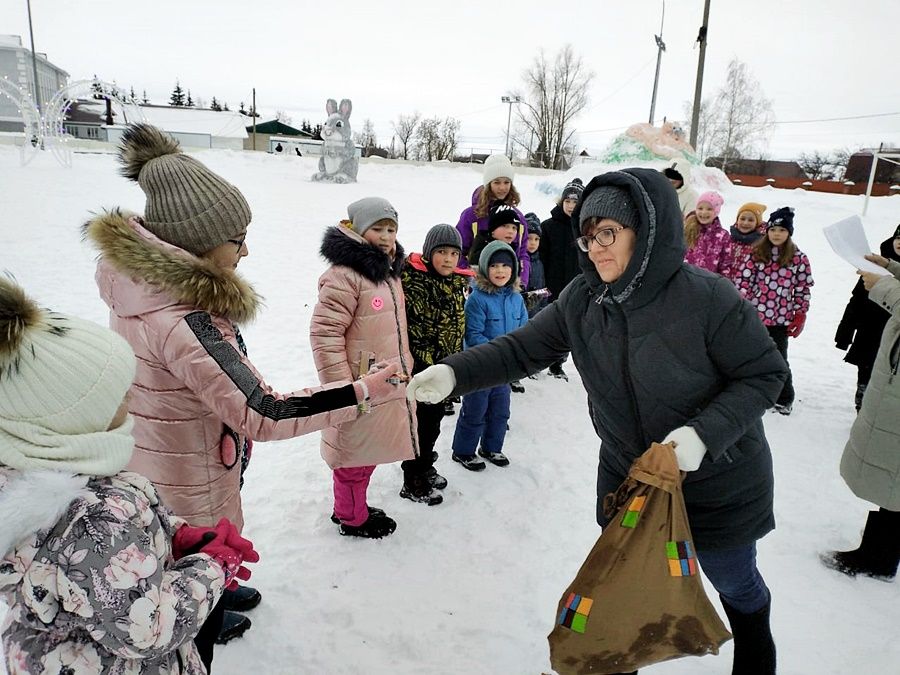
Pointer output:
814, 58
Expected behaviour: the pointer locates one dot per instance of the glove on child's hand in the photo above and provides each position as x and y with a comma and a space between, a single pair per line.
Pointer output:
689, 449
230, 549
189, 540
796, 326
432, 385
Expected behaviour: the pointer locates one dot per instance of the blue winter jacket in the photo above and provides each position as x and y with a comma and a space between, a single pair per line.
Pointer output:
492, 311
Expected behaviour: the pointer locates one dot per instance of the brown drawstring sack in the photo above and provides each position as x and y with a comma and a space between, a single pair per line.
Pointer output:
638, 599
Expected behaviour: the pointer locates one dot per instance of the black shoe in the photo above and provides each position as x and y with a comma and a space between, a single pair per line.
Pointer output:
784, 408
557, 371
448, 407
434, 456
234, 625
438, 482
242, 599
420, 490
517, 387
372, 512
878, 554
375, 527
470, 462
754, 648
495, 458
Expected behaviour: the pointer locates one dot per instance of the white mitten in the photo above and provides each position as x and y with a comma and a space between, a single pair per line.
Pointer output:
432, 385
689, 449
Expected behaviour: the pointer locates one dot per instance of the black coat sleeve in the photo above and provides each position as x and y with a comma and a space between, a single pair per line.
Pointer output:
850, 321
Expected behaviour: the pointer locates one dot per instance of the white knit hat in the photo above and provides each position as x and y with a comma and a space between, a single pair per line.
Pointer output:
497, 166
62, 379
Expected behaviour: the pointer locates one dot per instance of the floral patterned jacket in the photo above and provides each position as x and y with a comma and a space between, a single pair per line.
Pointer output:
88, 574
713, 249
778, 292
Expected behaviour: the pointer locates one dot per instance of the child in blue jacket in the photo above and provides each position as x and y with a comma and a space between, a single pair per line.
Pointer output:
495, 307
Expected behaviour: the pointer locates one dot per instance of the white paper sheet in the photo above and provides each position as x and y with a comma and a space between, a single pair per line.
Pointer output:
848, 239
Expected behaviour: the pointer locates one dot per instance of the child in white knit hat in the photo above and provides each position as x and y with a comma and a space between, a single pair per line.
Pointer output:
98, 575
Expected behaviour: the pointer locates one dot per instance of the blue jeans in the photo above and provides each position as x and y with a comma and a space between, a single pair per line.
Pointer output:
734, 575
483, 417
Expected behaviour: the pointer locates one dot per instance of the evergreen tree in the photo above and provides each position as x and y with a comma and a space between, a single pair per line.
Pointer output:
214, 105
190, 102
144, 98
241, 109
317, 132
177, 97
96, 89
225, 106
133, 96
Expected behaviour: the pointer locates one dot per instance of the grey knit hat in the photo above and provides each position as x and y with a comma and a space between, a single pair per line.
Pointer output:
438, 236
610, 201
188, 205
365, 212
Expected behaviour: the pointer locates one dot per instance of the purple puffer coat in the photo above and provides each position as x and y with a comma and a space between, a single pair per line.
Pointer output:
469, 225
778, 292
713, 249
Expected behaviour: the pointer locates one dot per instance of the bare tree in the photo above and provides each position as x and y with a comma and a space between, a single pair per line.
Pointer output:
816, 165
405, 128
436, 139
556, 92
282, 117
366, 137
706, 128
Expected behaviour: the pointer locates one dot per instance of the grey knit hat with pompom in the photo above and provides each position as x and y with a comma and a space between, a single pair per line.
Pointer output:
188, 205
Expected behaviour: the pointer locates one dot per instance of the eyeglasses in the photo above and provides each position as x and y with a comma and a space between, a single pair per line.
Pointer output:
605, 237
238, 242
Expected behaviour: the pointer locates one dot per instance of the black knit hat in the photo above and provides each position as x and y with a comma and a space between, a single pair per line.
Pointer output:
501, 214
783, 217
438, 236
610, 201
573, 190
672, 173
534, 223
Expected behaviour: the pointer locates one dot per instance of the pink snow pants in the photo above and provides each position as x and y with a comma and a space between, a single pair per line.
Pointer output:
350, 487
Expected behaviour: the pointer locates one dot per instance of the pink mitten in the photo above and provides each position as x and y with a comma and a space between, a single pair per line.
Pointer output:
189, 539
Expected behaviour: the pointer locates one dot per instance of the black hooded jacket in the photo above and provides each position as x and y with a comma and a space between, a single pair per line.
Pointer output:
664, 346
558, 251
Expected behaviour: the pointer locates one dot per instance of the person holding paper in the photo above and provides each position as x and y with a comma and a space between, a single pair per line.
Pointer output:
870, 464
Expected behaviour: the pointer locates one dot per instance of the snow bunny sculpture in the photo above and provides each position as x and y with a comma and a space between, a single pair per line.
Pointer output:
339, 163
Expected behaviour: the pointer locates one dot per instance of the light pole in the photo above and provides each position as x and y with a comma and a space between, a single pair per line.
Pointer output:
510, 100
661, 47
698, 87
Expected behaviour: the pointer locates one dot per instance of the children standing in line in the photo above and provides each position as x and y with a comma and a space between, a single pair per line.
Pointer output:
503, 225
537, 296
495, 307
748, 228
435, 288
777, 281
497, 187
359, 321
862, 324
708, 244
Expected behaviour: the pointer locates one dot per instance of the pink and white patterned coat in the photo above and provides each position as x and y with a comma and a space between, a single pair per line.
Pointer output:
778, 292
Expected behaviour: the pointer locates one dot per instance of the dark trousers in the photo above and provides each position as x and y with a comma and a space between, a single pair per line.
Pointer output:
780, 336
428, 425
734, 575
209, 631
863, 375
483, 417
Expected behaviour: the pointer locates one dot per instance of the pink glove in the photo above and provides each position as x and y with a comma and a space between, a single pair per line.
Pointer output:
230, 549
386, 384
189, 540
796, 326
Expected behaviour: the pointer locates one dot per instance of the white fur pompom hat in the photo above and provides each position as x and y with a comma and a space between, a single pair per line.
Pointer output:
62, 380
497, 166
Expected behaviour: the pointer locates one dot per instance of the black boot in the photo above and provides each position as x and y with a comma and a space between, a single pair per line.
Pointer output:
241, 599
879, 552
754, 648
375, 527
372, 512
417, 488
234, 625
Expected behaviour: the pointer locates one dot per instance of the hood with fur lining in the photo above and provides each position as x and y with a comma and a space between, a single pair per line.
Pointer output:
174, 275
342, 246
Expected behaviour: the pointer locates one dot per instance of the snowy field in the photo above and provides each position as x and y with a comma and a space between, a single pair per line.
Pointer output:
470, 587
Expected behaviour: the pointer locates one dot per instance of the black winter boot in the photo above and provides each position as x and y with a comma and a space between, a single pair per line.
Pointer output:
375, 527
372, 512
234, 625
754, 648
879, 552
242, 599
419, 489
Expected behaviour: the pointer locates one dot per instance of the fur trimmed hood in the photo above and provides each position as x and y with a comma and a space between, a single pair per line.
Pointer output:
176, 276
343, 246
482, 283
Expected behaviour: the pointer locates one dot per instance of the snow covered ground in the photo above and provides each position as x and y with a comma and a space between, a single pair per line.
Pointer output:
471, 586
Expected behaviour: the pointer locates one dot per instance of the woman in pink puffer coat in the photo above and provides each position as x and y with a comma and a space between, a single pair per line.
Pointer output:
360, 320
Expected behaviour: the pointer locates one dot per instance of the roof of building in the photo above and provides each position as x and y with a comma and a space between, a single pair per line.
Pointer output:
15, 42
220, 124
277, 128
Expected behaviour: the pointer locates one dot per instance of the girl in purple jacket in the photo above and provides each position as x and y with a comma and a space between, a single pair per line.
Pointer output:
497, 186
708, 243
776, 280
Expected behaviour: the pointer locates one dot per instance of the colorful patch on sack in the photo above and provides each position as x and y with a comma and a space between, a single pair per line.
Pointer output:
631, 516
682, 561
575, 612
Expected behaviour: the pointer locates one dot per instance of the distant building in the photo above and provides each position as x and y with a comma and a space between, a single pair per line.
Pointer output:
769, 168
16, 66
860, 165
265, 131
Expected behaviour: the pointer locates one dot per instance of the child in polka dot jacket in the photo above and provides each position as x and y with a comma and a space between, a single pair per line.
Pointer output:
777, 280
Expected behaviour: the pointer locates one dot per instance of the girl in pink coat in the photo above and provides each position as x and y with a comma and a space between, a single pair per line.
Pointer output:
360, 320
776, 280
708, 244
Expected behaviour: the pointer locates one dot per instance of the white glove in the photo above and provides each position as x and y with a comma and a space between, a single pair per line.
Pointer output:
432, 385
689, 449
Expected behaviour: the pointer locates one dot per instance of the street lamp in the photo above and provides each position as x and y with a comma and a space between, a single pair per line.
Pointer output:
661, 47
510, 100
